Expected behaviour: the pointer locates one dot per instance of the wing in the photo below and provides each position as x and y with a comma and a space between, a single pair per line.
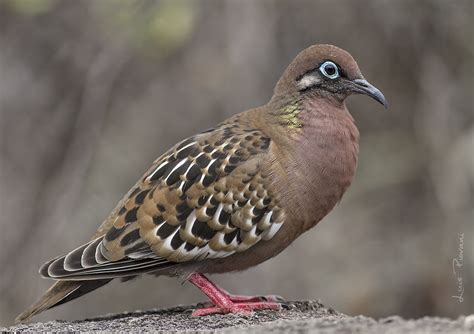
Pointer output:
208, 197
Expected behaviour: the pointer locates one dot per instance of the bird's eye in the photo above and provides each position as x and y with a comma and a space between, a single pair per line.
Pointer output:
329, 70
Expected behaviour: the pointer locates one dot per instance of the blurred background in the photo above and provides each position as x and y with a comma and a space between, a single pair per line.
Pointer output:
91, 92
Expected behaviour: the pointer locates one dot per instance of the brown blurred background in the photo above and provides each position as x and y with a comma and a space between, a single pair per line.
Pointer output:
92, 91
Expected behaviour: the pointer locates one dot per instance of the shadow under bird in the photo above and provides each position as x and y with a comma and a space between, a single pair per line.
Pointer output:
230, 197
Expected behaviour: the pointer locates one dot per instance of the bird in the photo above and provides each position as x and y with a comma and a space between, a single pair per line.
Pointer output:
230, 197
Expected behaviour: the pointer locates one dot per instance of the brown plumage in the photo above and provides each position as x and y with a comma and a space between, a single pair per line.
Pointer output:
233, 196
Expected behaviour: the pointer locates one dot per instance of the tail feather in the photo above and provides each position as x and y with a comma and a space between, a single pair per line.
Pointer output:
59, 293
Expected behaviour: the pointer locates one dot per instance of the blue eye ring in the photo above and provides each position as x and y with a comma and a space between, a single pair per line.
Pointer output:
329, 70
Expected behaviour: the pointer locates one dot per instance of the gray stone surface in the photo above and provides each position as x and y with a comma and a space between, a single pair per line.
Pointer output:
301, 317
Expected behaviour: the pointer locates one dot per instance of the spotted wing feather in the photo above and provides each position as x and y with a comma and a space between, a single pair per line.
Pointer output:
207, 197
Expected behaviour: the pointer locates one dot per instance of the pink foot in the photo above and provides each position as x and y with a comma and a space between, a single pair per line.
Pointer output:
223, 302
255, 299
241, 308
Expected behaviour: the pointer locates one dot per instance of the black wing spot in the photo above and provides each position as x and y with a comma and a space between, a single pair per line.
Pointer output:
214, 201
239, 237
184, 153
141, 196
184, 214
174, 175
176, 241
224, 217
135, 191
130, 237
165, 231
189, 246
114, 233
187, 185
202, 161
229, 168
157, 174
202, 200
194, 152
255, 220
230, 236
193, 172
131, 215
257, 212
219, 155
208, 149
202, 230
211, 211
208, 179
185, 142
182, 207
211, 170
157, 220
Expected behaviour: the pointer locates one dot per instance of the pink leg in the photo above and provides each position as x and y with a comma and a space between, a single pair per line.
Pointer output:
222, 301
252, 299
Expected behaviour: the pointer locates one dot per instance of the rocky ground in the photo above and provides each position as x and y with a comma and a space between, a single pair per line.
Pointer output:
302, 317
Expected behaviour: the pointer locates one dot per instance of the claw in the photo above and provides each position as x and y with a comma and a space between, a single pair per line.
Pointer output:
236, 308
222, 302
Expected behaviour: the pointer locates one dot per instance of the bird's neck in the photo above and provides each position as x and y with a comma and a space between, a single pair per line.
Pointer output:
316, 147
296, 117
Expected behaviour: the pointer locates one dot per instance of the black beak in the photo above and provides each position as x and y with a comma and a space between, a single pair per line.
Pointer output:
362, 86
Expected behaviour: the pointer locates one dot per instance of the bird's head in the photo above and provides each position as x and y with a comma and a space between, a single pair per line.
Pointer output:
325, 71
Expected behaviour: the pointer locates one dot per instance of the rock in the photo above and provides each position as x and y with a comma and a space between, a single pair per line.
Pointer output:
302, 316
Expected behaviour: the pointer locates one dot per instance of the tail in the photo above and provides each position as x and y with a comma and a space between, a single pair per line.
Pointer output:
86, 268
59, 293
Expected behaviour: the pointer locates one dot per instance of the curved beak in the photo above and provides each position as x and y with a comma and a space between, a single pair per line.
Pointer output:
362, 86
